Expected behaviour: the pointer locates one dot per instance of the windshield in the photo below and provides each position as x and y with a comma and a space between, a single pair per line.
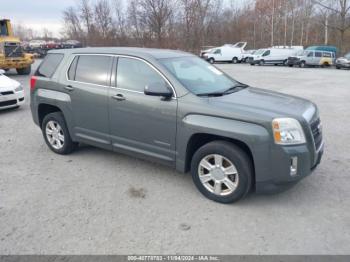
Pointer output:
198, 76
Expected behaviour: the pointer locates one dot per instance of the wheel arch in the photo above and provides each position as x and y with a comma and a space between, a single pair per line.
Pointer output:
44, 109
198, 140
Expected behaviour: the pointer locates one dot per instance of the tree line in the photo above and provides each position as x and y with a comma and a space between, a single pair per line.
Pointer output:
192, 24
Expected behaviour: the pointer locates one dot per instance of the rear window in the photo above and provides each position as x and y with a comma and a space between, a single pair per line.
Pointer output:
49, 65
92, 69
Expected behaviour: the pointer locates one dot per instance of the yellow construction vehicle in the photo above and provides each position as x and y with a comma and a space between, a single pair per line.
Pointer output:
11, 51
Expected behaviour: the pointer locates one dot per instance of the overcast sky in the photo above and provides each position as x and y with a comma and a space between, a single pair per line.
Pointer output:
39, 14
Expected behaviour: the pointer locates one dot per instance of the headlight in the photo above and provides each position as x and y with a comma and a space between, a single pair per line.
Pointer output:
19, 88
287, 131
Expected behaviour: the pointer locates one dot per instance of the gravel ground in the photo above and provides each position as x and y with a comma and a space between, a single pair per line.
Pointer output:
99, 202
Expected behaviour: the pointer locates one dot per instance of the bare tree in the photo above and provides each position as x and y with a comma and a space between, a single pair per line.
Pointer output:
341, 22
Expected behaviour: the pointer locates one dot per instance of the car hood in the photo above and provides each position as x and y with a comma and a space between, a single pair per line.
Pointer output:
260, 105
7, 83
343, 60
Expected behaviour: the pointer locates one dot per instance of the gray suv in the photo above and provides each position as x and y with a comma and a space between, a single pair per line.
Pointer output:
174, 108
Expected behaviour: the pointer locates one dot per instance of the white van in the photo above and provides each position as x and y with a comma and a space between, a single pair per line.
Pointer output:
226, 53
275, 55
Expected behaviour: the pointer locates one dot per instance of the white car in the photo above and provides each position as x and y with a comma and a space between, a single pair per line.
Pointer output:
11, 92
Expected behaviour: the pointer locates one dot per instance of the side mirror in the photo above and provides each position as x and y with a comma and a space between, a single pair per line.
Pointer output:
158, 89
2, 71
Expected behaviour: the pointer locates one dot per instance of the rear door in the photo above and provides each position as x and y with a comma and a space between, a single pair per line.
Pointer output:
87, 83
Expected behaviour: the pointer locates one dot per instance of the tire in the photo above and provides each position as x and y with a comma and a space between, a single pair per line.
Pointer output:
211, 60
235, 60
252, 64
302, 64
231, 155
338, 67
285, 62
24, 71
68, 145
261, 62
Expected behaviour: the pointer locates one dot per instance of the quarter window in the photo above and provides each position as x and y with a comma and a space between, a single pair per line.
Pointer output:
135, 75
49, 65
93, 69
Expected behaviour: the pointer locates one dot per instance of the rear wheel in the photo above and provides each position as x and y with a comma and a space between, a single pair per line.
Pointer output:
56, 134
222, 171
24, 71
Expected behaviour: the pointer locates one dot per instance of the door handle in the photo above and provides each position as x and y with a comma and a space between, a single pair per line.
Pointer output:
119, 97
69, 88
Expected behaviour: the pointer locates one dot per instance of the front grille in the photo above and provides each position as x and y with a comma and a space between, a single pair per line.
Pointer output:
316, 129
8, 103
13, 49
7, 93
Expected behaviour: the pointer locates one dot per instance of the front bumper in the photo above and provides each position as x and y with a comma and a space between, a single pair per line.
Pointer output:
280, 177
11, 101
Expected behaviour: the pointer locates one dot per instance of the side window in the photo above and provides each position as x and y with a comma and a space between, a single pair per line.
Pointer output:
268, 52
318, 54
311, 54
93, 69
72, 69
327, 54
217, 51
49, 65
133, 74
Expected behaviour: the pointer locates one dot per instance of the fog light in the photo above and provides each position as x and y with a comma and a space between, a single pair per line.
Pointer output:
294, 166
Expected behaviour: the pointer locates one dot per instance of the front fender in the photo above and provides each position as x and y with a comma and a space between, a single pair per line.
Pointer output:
254, 136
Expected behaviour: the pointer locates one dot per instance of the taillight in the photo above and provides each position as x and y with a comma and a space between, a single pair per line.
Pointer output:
32, 83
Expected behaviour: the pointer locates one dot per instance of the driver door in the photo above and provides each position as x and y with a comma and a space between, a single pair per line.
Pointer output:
141, 124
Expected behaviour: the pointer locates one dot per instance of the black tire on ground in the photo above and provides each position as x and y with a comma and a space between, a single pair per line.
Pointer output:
24, 71
211, 60
252, 64
261, 62
68, 146
338, 67
302, 64
290, 65
234, 154
235, 60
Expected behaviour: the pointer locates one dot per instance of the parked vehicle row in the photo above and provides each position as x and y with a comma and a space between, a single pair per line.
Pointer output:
322, 56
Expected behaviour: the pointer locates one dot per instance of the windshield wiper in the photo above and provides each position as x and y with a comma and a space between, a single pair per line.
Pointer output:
225, 92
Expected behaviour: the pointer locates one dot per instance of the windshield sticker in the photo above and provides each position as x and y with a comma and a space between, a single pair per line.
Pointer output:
214, 70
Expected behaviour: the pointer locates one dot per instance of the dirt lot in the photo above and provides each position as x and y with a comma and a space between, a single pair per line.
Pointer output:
98, 202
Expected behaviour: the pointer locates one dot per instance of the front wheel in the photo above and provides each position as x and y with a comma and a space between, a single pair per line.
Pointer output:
24, 71
235, 60
302, 64
261, 62
222, 172
211, 60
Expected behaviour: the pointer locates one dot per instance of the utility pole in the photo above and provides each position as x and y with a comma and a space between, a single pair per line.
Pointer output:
273, 23
326, 30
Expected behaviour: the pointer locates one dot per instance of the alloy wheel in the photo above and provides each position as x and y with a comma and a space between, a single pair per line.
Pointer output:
54, 134
218, 175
